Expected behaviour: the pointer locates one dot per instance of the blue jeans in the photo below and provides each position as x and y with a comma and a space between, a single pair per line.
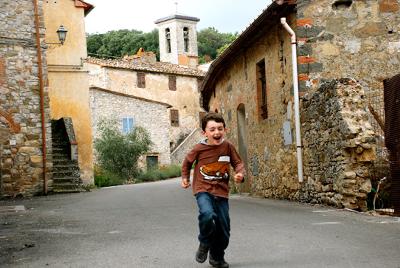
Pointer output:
214, 223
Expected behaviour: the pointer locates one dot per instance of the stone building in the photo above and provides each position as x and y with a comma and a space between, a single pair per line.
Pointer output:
69, 90
174, 80
134, 111
24, 105
251, 85
165, 82
40, 80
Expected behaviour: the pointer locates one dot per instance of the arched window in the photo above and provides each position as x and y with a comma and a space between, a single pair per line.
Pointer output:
168, 39
186, 39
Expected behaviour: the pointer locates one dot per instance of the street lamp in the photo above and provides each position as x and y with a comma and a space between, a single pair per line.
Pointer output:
62, 34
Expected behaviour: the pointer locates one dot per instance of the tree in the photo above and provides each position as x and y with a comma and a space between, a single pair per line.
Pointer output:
116, 44
122, 42
119, 153
94, 43
210, 40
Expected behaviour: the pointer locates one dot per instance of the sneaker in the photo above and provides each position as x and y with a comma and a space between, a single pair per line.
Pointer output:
218, 263
201, 253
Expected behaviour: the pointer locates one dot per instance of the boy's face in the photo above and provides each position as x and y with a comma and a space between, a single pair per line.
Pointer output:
214, 132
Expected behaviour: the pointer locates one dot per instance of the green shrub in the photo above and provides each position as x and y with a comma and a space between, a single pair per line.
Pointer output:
118, 153
104, 178
162, 173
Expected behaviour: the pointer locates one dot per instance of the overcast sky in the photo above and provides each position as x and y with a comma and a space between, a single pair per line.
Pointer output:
227, 16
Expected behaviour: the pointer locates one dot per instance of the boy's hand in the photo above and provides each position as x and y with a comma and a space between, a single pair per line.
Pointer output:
185, 183
238, 177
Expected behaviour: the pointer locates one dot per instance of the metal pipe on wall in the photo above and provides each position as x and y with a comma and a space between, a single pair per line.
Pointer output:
41, 92
296, 99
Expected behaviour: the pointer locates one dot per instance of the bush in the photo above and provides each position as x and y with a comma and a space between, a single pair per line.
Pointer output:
104, 178
118, 153
162, 173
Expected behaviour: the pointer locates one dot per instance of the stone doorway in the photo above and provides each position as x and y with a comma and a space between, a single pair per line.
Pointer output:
242, 140
152, 162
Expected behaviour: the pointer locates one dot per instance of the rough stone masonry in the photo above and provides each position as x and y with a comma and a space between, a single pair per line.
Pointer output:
339, 145
20, 116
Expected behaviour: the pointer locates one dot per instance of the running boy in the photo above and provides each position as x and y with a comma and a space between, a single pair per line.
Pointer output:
212, 158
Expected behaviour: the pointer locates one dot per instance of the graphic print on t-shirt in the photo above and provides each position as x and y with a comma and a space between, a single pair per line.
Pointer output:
216, 170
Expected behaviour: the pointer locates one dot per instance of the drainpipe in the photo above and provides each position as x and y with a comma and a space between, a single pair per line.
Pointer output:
296, 99
41, 90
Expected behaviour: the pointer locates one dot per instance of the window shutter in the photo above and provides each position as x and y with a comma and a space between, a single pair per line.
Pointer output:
174, 118
141, 80
262, 89
172, 82
131, 123
124, 125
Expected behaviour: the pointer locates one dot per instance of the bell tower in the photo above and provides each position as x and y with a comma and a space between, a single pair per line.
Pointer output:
178, 39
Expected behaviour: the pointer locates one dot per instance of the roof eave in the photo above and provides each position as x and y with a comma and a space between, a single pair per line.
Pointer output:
85, 5
167, 105
200, 74
243, 41
177, 16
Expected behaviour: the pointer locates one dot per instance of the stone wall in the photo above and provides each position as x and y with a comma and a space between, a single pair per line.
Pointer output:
358, 39
183, 148
339, 145
20, 116
267, 151
150, 115
185, 98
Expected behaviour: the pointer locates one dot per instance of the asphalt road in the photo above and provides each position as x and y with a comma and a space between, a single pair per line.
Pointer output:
155, 225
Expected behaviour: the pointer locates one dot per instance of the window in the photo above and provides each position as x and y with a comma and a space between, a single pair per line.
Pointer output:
262, 89
172, 82
127, 125
168, 40
186, 38
141, 80
174, 114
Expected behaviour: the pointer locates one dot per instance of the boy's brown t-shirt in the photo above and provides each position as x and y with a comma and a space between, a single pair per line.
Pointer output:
211, 172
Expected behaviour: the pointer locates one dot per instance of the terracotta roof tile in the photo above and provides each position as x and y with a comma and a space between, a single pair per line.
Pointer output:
157, 67
86, 6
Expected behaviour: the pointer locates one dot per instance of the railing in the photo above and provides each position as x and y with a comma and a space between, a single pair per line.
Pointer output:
186, 145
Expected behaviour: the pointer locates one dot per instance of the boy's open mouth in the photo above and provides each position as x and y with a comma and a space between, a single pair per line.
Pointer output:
217, 138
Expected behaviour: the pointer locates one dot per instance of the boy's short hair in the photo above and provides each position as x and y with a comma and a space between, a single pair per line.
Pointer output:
211, 116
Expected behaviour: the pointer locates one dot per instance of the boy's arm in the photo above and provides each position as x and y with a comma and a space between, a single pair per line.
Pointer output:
186, 167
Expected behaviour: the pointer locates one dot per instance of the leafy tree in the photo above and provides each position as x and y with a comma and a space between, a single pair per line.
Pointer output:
151, 42
127, 42
119, 153
222, 49
210, 40
121, 42
94, 42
